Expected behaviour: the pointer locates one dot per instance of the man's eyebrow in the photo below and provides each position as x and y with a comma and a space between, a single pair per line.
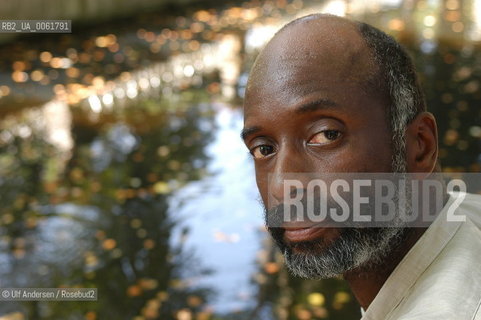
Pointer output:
311, 106
248, 131
315, 105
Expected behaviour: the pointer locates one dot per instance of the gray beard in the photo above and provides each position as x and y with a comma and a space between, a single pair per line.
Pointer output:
355, 247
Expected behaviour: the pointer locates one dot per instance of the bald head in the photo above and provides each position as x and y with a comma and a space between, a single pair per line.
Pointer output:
313, 47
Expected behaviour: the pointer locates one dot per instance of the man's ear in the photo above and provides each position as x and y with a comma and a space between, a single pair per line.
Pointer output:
422, 143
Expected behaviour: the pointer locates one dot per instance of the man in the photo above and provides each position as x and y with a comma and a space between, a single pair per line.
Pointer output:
331, 95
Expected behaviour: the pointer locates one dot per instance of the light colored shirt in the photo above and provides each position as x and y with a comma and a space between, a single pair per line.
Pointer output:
440, 277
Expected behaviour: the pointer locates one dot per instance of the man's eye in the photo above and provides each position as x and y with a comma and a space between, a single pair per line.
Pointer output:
262, 151
325, 137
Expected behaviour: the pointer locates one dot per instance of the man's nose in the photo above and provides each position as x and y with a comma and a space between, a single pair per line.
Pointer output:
288, 174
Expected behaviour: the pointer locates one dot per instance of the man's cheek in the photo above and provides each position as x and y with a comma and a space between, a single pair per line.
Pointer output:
262, 182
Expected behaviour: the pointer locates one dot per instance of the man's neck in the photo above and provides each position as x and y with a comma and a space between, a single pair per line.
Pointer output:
366, 283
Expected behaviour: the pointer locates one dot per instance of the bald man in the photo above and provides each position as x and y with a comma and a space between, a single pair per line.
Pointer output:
331, 95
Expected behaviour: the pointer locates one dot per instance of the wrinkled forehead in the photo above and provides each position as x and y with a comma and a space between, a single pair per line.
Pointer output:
309, 55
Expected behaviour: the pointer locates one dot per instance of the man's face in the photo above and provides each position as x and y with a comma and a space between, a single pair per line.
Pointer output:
309, 108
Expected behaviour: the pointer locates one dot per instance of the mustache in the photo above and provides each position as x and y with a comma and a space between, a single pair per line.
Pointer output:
317, 210
275, 220
277, 216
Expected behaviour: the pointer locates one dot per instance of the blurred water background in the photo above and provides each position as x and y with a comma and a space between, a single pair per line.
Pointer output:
121, 166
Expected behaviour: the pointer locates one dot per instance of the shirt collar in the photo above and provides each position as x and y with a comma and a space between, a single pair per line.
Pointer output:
414, 263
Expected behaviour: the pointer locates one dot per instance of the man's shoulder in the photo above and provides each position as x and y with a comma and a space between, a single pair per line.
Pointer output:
439, 311
440, 277
450, 287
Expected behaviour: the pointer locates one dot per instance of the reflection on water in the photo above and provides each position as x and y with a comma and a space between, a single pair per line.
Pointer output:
105, 223
121, 167
222, 216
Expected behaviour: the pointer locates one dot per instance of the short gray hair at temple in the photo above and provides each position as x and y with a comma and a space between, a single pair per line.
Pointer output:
398, 77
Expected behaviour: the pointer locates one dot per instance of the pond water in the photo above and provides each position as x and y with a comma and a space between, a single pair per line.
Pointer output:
121, 166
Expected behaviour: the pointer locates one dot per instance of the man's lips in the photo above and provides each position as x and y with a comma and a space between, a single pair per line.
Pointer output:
302, 232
